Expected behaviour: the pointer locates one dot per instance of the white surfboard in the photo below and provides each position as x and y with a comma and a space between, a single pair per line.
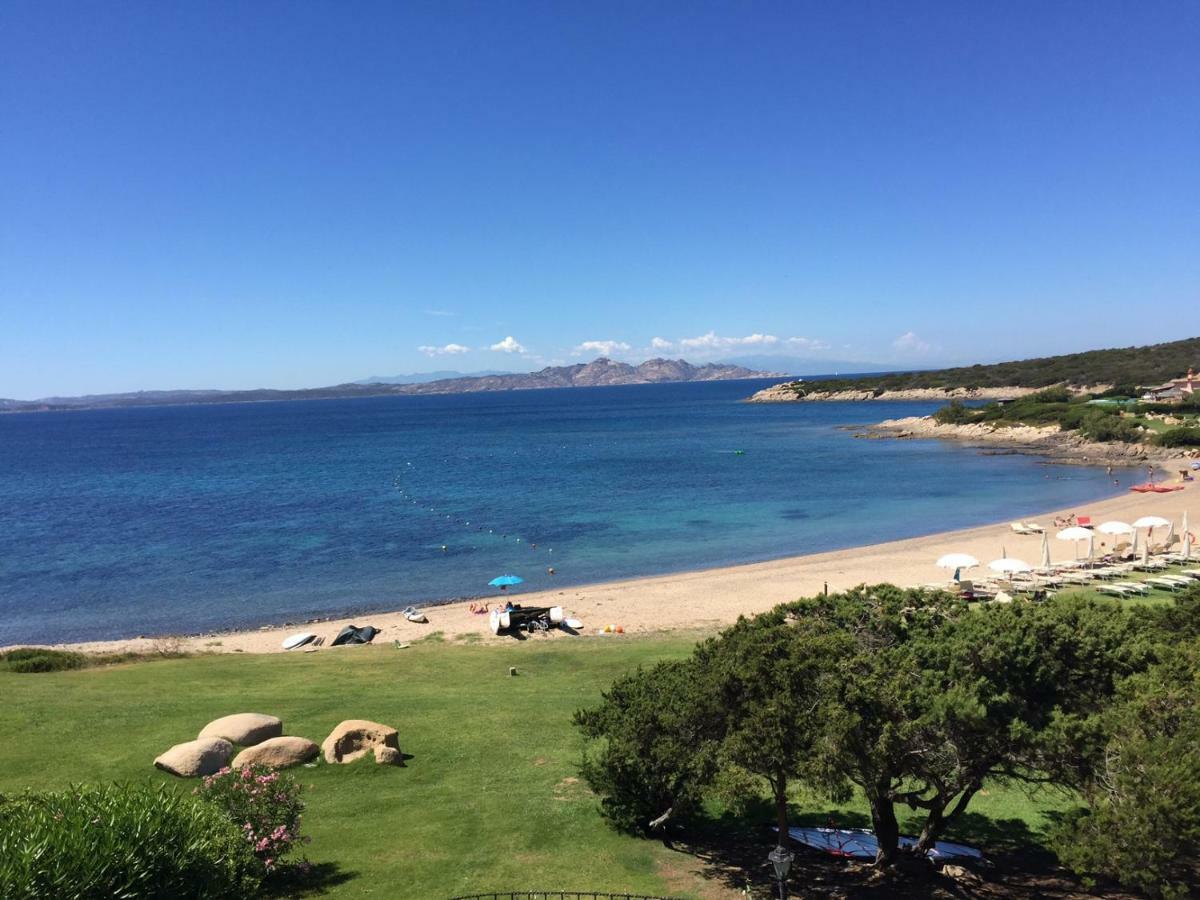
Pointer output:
297, 640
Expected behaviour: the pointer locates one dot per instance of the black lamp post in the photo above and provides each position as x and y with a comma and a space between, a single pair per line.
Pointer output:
781, 861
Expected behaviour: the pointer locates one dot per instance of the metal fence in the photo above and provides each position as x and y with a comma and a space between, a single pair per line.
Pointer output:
558, 895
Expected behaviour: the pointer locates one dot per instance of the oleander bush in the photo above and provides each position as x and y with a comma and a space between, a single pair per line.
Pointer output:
263, 804
121, 840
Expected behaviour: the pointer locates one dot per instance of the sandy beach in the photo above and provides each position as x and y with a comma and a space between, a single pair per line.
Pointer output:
711, 598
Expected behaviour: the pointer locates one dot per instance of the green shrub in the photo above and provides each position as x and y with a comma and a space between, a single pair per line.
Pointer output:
122, 840
954, 413
1055, 394
1179, 437
263, 803
41, 659
1101, 425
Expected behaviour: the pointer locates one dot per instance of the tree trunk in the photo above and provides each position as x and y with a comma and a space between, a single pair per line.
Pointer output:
932, 829
938, 818
887, 830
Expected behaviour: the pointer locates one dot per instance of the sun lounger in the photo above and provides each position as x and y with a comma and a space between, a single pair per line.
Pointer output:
1138, 587
1115, 590
1026, 527
1165, 584
1178, 579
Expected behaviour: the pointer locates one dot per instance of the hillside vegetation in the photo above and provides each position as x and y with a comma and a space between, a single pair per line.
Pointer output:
1121, 420
1126, 367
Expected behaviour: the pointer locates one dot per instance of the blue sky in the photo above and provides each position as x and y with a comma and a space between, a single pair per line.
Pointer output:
295, 194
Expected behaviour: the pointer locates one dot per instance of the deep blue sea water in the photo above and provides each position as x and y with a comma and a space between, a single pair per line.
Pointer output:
180, 519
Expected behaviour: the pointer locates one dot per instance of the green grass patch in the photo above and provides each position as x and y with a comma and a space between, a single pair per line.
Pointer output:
490, 798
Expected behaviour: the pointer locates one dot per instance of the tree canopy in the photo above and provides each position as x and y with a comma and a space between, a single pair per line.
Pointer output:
1126, 366
912, 698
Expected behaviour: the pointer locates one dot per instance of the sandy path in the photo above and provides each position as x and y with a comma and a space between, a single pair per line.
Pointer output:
714, 597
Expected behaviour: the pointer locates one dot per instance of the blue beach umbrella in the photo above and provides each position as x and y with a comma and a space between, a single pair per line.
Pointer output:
504, 581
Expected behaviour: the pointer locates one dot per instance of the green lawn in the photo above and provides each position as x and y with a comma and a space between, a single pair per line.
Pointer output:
488, 800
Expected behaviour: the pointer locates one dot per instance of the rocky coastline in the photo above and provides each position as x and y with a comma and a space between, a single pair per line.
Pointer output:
785, 393
1051, 442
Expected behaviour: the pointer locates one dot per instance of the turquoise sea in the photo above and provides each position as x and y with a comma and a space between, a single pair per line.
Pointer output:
181, 519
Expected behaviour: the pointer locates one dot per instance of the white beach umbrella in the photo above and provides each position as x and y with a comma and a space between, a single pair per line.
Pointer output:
1009, 565
1117, 528
1133, 544
957, 561
1076, 533
1146, 552
1187, 538
1151, 522
1046, 550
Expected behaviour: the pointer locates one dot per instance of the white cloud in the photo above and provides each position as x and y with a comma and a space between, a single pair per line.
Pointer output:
910, 342
657, 343
808, 343
438, 312
604, 348
508, 345
713, 341
448, 350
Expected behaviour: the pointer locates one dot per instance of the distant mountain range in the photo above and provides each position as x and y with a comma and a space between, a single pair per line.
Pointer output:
596, 373
424, 377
